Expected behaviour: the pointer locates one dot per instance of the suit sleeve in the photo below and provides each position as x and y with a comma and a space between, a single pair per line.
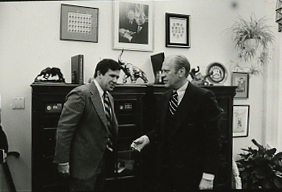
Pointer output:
70, 117
211, 132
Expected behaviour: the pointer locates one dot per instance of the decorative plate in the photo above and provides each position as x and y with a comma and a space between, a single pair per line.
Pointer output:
216, 72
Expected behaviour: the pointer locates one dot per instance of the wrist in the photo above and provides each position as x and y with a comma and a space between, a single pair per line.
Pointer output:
208, 176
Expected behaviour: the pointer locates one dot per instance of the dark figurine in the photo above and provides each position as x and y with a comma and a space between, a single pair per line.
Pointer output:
50, 75
131, 71
198, 78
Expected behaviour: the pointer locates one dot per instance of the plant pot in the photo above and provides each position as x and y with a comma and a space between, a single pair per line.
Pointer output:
251, 44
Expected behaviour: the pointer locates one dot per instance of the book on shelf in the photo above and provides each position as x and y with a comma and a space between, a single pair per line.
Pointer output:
77, 66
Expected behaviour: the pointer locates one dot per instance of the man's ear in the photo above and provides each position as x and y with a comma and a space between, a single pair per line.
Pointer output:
181, 72
98, 74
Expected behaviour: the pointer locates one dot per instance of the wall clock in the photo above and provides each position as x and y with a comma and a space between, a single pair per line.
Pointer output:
216, 72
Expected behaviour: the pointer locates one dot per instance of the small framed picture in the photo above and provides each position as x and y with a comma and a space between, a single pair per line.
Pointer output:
241, 120
177, 30
79, 23
241, 80
133, 25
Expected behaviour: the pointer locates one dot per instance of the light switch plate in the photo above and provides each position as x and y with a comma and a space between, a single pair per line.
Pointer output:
18, 103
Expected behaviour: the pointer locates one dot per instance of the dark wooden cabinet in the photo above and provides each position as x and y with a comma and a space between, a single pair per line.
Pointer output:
135, 110
47, 103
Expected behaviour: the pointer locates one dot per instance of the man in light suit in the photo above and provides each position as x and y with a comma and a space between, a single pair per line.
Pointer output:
187, 134
86, 134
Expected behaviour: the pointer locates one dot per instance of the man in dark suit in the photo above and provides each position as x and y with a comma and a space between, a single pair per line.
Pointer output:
127, 25
187, 134
87, 129
141, 35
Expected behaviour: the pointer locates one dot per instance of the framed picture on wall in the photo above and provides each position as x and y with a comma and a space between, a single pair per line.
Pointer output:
241, 80
133, 25
177, 30
79, 23
241, 120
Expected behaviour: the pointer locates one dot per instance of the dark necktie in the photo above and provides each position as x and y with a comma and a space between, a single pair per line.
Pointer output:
173, 103
108, 113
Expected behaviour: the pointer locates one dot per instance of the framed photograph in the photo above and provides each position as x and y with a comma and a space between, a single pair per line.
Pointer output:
241, 80
177, 30
79, 23
133, 25
241, 120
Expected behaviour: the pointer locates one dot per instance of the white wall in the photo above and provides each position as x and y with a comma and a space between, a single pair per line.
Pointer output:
30, 41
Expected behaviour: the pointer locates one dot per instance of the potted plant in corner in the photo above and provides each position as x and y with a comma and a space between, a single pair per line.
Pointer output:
260, 168
252, 39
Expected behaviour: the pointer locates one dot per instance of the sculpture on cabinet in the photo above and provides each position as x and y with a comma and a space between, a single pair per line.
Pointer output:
197, 77
131, 71
50, 75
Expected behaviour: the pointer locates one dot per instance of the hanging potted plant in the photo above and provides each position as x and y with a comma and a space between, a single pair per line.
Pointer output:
252, 39
248, 36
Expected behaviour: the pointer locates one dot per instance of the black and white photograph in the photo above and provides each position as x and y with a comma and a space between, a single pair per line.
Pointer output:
140, 95
133, 25
241, 120
241, 80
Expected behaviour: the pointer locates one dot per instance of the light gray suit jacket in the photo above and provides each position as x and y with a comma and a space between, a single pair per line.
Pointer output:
82, 131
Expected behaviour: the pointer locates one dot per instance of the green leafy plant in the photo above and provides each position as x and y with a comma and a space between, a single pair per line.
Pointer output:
252, 41
260, 168
255, 30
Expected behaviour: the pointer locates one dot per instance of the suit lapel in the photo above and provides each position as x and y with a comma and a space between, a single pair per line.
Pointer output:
165, 102
98, 106
115, 126
185, 107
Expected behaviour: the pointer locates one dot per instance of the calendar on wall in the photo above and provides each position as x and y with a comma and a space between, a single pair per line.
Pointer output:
79, 23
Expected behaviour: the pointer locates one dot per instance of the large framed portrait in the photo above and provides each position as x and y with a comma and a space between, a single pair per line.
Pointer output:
241, 80
133, 25
79, 23
177, 30
241, 120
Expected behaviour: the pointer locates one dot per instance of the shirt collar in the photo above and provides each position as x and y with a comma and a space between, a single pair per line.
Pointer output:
100, 90
181, 92
182, 89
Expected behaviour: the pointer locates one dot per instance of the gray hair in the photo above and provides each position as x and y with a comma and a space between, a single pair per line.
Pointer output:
181, 61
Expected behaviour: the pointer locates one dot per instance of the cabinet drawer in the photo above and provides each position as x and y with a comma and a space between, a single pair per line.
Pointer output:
124, 119
125, 106
48, 142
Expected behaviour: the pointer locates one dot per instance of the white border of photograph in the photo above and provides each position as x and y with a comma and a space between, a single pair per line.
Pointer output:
132, 46
241, 120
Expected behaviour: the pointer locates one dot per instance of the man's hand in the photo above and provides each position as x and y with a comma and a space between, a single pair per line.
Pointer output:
206, 184
140, 143
64, 169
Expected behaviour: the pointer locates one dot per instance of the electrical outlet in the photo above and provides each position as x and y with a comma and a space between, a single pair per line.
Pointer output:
19, 103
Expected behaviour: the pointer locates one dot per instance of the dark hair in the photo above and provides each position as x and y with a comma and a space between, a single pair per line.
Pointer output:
104, 65
182, 61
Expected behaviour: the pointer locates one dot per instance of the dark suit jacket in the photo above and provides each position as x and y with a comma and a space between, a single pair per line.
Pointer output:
82, 131
142, 36
193, 143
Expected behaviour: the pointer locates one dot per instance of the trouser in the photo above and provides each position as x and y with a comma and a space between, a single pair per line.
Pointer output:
95, 183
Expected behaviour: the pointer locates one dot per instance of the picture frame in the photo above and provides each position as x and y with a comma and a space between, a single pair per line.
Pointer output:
241, 120
79, 23
177, 30
241, 80
133, 33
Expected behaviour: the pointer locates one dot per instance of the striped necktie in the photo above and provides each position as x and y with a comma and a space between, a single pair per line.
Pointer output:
173, 103
108, 113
